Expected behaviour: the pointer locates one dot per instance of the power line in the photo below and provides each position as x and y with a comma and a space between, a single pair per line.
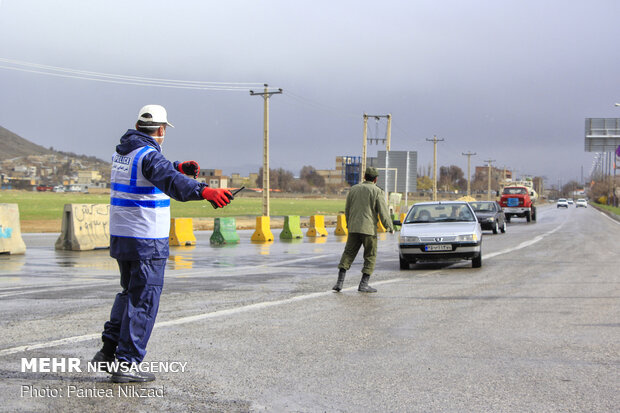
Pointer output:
123, 79
317, 105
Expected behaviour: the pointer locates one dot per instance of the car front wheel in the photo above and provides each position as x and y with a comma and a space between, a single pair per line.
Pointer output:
404, 264
495, 228
477, 261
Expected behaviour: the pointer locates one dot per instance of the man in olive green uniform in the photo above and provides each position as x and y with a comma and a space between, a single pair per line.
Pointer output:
364, 207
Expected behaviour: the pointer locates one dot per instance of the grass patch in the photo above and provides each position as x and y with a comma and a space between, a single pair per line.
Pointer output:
609, 208
49, 205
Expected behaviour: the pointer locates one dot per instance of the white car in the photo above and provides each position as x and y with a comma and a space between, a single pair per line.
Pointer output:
440, 231
562, 203
581, 203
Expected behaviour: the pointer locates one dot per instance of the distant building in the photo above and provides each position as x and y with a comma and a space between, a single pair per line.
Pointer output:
253, 179
88, 177
499, 172
349, 168
331, 176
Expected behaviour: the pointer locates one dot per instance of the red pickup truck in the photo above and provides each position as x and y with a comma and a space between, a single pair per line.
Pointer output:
516, 202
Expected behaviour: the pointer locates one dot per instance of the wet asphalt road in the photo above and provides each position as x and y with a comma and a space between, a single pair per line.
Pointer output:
537, 328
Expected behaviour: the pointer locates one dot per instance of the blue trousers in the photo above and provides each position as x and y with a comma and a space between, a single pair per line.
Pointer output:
135, 308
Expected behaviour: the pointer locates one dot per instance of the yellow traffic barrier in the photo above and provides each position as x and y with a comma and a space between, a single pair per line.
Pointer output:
181, 232
11, 241
341, 225
317, 226
84, 227
380, 227
263, 230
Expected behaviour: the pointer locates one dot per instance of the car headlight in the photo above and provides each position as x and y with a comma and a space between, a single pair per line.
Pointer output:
490, 219
467, 237
406, 240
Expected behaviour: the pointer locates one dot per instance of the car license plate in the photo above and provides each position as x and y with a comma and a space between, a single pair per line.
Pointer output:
443, 247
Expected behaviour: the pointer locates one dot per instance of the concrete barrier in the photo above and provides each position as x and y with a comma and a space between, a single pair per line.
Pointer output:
84, 227
396, 227
181, 232
11, 241
341, 225
263, 230
316, 227
224, 231
380, 227
292, 228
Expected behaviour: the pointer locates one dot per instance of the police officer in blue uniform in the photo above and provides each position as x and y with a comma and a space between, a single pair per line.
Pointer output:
142, 183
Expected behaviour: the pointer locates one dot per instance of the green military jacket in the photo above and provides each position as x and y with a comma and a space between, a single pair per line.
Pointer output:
364, 207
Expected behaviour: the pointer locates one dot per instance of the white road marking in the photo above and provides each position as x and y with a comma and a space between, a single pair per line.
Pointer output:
93, 284
218, 270
524, 244
251, 307
609, 218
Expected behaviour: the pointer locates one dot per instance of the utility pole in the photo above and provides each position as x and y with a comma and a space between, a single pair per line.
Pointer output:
469, 155
489, 185
363, 166
266, 95
387, 140
434, 140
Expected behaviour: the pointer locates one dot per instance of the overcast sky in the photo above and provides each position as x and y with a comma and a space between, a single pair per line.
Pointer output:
511, 80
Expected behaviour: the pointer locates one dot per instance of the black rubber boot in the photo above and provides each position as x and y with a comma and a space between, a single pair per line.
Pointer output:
364, 287
340, 281
102, 361
130, 373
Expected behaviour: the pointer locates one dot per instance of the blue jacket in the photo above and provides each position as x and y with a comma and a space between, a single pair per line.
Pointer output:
166, 177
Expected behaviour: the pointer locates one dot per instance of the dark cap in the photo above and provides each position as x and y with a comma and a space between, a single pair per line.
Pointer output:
371, 172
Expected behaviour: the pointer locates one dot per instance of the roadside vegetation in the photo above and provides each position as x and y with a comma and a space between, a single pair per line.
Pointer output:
609, 208
49, 205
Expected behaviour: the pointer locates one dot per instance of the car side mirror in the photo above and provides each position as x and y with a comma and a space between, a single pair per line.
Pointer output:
396, 222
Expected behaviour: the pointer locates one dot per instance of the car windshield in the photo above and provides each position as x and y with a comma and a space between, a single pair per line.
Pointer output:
561, 200
439, 213
483, 206
515, 191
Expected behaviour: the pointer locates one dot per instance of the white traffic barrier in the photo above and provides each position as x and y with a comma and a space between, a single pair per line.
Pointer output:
11, 241
84, 227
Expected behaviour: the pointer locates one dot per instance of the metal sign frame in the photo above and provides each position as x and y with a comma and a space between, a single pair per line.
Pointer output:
602, 134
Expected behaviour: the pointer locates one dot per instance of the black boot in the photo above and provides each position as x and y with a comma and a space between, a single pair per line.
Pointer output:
340, 281
105, 356
103, 362
130, 373
364, 287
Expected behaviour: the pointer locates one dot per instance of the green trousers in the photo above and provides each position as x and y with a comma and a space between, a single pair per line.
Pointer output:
354, 242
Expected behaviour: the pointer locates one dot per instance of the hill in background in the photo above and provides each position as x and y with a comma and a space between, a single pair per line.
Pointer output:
13, 146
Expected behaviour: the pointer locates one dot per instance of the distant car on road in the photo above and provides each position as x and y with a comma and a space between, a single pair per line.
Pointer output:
570, 201
562, 203
440, 231
490, 216
581, 202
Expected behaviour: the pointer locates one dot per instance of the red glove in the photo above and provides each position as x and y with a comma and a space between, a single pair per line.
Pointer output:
218, 197
189, 168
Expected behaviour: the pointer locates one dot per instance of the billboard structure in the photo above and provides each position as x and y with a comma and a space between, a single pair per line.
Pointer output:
602, 134
397, 171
